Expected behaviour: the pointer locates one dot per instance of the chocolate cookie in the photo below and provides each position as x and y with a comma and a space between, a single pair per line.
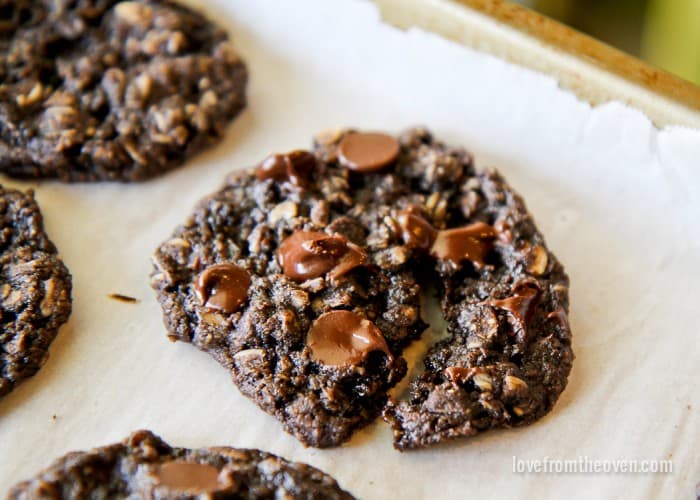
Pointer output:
361, 225
144, 466
35, 289
111, 90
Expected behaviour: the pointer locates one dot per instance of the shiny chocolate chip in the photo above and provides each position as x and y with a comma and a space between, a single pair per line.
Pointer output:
367, 152
223, 287
416, 231
472, 242
344, 338
309, 254
273, 167
295, 167
302, 166
188, 477
353, 257
521, 305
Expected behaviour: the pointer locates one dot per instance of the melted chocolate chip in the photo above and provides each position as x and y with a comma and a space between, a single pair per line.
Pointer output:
367, 152
295, 167
521, 305
344, 338
188, 477
472, 242
416, 231
273, 167
302, 166
309, 254
223, 287
352, 258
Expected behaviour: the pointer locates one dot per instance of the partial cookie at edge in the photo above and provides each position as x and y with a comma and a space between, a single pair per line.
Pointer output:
113, 90
35, 289
144, 465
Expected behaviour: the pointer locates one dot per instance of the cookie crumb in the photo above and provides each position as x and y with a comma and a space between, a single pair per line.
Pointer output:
123, 298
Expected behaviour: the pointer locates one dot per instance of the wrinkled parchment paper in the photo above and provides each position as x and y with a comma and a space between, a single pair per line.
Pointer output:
617, 200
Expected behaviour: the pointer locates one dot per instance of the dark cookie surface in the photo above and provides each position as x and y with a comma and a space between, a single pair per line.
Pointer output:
144, 466
422, 215
35, 289
111, 90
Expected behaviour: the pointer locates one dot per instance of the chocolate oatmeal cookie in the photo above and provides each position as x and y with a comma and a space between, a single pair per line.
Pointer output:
35, 289
144, 466
320, 257
111, 90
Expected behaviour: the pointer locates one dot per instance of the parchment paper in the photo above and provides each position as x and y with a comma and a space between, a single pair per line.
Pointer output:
617, 200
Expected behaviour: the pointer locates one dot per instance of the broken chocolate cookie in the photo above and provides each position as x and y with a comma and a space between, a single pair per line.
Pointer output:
35, 289
337, 244
145, 466
111, 90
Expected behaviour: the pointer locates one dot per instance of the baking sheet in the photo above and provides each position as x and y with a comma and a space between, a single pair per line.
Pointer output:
616, 198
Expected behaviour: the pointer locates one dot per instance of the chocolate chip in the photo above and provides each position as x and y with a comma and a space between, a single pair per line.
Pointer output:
303, 164
416, 231
353, 257
344, 338
309, 254
295, 167
521, 305
223, 287
472, 242
367, 152
188, 477
273, 167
